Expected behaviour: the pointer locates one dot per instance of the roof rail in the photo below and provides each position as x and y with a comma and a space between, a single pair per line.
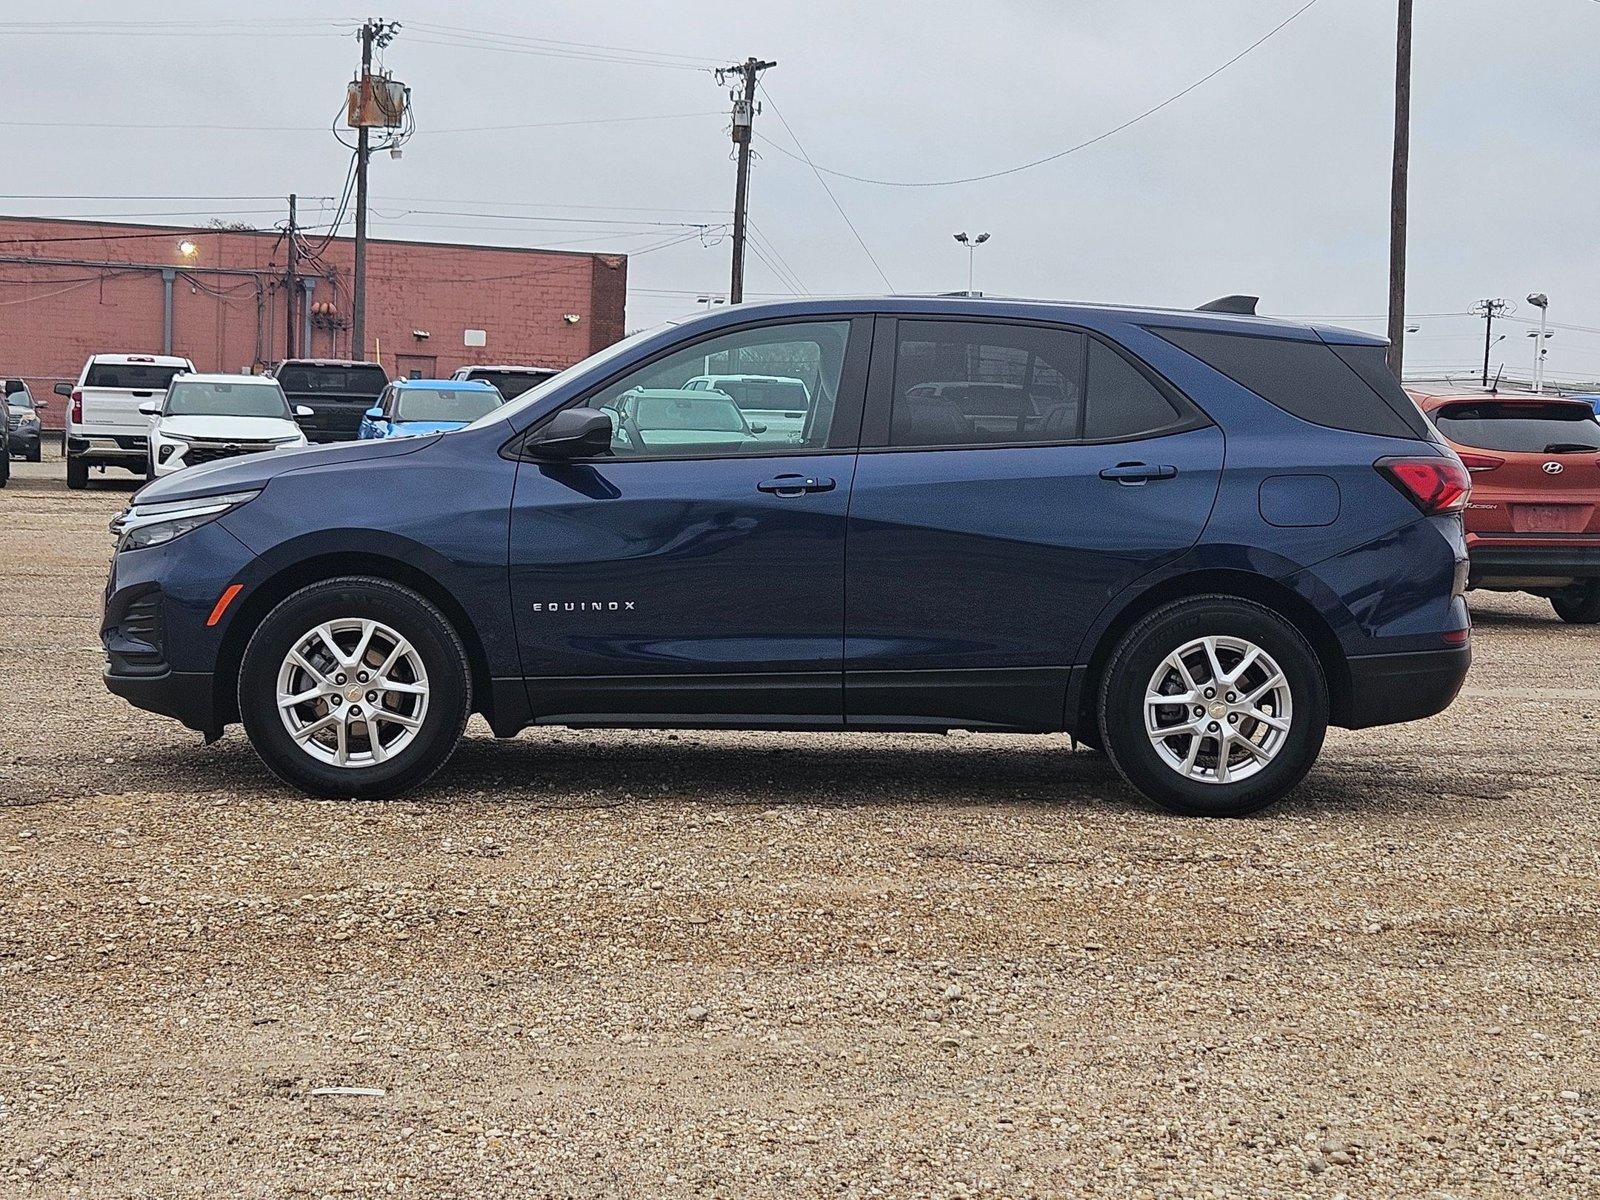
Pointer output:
1244, 306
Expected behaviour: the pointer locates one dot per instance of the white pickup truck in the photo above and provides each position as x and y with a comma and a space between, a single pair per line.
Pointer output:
104, 425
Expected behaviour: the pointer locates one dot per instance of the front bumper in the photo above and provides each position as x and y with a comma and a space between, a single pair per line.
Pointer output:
185, 695
1386, 689
1547, 564
25, 442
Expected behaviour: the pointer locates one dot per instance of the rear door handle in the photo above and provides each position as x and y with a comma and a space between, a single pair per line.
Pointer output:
795, 485
1137, 472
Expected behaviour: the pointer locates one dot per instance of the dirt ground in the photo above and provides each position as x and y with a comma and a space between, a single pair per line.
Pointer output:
636, 964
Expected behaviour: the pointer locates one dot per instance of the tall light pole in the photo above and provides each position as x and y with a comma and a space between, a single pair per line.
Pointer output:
972, 244
1542, 302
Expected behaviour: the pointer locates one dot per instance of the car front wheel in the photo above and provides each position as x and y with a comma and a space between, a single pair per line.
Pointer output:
1213, 706
354, 687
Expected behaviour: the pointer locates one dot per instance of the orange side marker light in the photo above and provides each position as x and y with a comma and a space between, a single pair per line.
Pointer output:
222, 603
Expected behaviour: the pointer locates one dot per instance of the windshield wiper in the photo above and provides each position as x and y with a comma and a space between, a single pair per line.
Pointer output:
1569, 448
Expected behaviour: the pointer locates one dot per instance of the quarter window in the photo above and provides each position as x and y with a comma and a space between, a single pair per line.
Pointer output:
751, 392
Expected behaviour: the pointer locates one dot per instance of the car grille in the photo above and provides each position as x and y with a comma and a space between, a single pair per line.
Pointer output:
204, 452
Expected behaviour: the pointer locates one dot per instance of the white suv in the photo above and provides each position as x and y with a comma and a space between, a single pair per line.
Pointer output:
203, 418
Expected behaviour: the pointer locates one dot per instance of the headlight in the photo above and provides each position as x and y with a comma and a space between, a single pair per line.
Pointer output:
141, 525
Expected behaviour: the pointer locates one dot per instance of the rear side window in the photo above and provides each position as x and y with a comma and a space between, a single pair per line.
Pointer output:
988, 383
1521, 428
354, 381
1344, 387
141, 377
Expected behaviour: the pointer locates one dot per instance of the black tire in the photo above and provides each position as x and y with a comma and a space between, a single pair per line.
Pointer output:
36, 454
1135, 661
1578, 604
5, 469
77, 473
414, 618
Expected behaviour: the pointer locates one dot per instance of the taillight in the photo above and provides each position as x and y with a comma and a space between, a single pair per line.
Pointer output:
77, 407
1480, 462
1438, 486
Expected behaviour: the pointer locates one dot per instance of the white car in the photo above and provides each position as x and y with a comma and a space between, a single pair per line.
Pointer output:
204, 418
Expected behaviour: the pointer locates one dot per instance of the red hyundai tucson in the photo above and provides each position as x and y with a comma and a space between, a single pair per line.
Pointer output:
1533, 522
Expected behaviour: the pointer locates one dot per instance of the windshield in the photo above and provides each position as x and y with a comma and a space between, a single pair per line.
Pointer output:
139, 377
190, 399
1554, 428
349, 381
20, 400
511, 384
588, 366
446, 404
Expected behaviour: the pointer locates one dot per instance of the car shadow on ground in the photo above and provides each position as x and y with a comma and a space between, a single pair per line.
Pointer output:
1500, 619
565, 770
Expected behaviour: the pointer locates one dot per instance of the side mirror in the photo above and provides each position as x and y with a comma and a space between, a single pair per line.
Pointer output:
41, 404
303, 410
372, 414
63, 389
572, 433
151, 408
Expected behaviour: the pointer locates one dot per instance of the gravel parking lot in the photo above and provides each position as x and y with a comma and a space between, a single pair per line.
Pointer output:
615, 964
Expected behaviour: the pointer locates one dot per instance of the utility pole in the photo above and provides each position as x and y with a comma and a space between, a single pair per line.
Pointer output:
358, 294
371, 102
1398, 190
1542, 302
1489, 310
290, 283
744, 110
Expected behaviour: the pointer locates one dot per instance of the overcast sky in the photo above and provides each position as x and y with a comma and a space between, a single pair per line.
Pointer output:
1271, 178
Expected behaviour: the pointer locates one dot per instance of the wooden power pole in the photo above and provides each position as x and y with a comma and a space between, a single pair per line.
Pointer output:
1397, 189
744, 110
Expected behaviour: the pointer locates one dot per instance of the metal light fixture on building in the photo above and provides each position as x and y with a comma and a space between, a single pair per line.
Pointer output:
572, 318
187, 248
421, 335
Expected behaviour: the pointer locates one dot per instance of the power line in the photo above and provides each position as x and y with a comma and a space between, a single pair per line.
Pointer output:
1048, 158
696, 62
806, 158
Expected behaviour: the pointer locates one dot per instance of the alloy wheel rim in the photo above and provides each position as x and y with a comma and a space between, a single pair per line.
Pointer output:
352, 692
1218, 710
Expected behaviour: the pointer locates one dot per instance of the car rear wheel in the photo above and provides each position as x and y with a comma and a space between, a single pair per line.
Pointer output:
1213, 706
354, 687
77, 474
36, 454
1578, 604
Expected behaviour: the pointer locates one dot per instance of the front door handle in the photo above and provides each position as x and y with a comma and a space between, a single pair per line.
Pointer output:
1133, 473
795, 485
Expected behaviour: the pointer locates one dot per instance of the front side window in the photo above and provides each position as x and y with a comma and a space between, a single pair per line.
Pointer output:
689, 402
226, 400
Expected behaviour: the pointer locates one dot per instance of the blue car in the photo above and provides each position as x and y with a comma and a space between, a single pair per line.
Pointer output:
1192, 539
408, 407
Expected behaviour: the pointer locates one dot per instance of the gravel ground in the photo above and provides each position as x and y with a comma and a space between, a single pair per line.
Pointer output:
635, 964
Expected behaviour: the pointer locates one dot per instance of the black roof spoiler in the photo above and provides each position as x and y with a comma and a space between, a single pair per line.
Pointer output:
1244, 306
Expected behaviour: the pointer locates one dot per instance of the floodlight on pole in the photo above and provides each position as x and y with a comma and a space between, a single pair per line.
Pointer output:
972, 244
1542, 302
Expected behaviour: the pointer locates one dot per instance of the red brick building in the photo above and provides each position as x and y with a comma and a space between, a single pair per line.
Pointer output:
69, 289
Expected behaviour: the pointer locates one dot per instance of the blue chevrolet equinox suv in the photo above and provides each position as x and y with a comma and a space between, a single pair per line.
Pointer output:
1192, 540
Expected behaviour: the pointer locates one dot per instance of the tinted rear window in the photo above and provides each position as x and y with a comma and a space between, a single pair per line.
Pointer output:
511, 384
355, 381
1521, 428
1341, 387
141, 377
763, 395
